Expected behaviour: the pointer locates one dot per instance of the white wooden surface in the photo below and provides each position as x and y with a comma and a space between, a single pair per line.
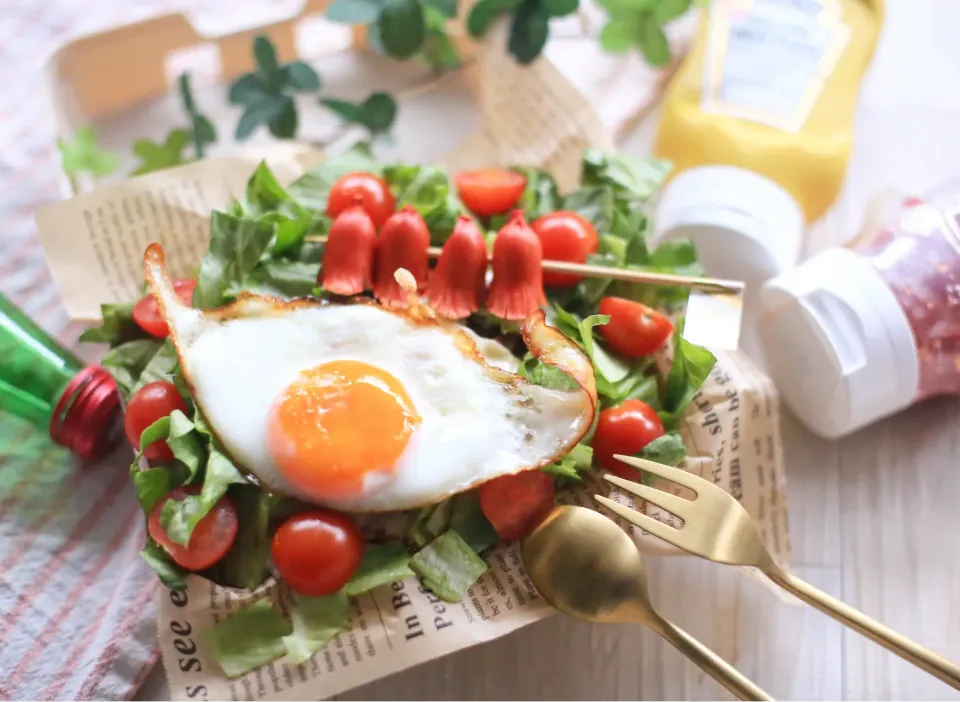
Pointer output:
874, 517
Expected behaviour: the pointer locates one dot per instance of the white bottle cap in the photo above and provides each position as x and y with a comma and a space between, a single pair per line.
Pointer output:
837, 343
745, 226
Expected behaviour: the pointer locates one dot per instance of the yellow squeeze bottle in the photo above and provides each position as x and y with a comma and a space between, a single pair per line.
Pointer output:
769, 88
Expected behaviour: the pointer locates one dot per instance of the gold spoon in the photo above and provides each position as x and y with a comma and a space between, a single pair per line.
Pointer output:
589, 568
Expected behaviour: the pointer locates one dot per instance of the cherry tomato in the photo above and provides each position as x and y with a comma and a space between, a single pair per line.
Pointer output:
211, 538
490, 191
515, 504
565, 236
625, 429
316, 553
146, 313
150, 403
364, 189
634, 329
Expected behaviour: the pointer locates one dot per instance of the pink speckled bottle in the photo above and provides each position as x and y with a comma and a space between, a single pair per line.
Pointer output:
860, 332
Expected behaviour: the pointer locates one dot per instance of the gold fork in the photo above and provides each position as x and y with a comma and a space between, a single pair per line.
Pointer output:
718, 528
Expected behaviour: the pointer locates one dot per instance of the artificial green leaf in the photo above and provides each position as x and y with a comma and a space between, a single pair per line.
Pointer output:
316, 620
201, 128
117, 326
690, 368
83, 154
665, 10
265, 54
257, 113
402, 27
617, 36
170, 574
155, 157
381, 564
247, 89
301, 77
668, 449
127, 361
439, 53
559, 8
484, 12
284, 124
528, 32
353, 11
447, 8
377, 113
654, 44
248, 638
236, 246
448, 566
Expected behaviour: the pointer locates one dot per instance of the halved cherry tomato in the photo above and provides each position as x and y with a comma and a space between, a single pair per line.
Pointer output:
625, 429
150, 403
490, 191
516, 504
316, 553
634, 329
146, 313
565, 236
211, 538
364, 189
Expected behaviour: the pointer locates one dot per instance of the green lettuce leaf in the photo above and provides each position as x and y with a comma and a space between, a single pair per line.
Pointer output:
264, 193
469, 521
236, 246
572, 465
247, 564
150, 486
170, 574
431, 193
313, 188
127, 361
636, 176
180, 517
691, 367
382, 564
448, 566
160, 367
637, 384
279, 277
248, 638
116, 328
316, 620
187, 444
540, 196
668, 449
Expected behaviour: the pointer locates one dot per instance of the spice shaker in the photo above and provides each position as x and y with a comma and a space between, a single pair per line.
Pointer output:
49, 386
861, 332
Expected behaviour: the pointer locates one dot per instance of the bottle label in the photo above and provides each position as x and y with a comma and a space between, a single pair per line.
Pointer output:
767, 60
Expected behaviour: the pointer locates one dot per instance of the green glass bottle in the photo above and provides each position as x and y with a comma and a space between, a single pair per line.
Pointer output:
48, 385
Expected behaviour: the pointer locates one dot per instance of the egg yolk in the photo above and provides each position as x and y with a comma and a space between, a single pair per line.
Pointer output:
336, 424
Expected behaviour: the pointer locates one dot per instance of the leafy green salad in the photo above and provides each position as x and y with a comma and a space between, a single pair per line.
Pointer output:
207, 516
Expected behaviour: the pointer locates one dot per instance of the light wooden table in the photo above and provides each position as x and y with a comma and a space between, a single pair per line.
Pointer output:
874, 517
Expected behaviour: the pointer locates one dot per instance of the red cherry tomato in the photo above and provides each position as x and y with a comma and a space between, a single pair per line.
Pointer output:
146, 313
634, 329
490, 191
211, 538
364, 189
565, 236
316, 553
150, 403
625, 429
515, 504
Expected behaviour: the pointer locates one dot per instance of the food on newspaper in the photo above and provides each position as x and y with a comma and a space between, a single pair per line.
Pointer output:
343, 415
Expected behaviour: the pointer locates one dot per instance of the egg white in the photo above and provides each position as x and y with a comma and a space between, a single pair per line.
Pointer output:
475, 426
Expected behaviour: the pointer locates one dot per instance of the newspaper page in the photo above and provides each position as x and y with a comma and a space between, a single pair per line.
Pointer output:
731, 429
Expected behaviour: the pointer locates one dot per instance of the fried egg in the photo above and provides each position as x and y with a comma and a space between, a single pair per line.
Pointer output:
365, 409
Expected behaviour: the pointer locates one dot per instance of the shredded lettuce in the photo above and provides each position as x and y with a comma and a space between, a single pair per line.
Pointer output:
248, 638
448, 566
316, 620
382, 564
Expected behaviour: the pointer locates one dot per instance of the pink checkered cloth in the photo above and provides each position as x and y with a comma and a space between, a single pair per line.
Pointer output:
77, 604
